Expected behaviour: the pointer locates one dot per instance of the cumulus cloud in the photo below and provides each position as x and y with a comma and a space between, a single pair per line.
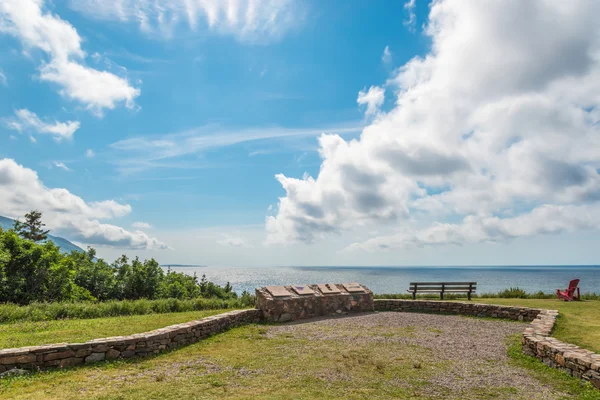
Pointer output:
66, 214
543, 220
234, 241
27, 121
39, 29
500, 117
89, 153
372, 99
246, 20
141, 225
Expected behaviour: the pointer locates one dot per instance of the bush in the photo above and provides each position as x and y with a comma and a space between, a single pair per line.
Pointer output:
10, 313
39, 272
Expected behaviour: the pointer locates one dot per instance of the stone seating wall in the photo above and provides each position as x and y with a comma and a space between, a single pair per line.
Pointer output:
138, 345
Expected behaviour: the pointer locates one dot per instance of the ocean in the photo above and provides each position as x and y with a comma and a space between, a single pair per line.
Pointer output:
397, 279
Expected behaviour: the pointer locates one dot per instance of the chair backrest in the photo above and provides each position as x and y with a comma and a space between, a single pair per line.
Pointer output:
572, 286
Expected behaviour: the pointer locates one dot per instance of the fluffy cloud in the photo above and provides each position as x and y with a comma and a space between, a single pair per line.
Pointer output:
37, 29
3, 80
243, 19
66, 214
28, 121
89, 153
499, 118
546, 219
141, 225
372, 99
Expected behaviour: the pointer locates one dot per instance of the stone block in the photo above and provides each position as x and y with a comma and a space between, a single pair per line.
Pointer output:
95, 357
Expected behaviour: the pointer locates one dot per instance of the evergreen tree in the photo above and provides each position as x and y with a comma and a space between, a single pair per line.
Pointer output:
32, 228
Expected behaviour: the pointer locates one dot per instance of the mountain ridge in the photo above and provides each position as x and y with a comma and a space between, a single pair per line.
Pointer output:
65, 245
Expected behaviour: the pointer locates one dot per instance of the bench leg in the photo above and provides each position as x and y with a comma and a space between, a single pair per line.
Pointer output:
441, 295
469, 296
415, 295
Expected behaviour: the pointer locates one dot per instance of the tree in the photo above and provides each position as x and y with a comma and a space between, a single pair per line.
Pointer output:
32, 228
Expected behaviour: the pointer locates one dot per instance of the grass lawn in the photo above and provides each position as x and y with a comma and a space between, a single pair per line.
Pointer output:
80, 330
578, 323
247, 363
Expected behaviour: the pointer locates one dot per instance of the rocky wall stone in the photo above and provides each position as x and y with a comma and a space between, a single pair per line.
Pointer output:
138, 345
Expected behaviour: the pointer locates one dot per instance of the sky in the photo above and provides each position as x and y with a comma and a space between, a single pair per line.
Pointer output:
289, 132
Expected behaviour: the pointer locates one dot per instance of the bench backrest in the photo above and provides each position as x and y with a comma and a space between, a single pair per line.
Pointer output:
443, 286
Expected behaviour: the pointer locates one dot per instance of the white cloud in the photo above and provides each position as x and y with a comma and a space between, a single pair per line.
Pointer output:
411, 21
372, 99
147, 152
89, 153
66, 214
246, 20
141, 225
500, 117
234, 241
543, 220
27, 121
61, 165
386, 58
38, 29
3, 80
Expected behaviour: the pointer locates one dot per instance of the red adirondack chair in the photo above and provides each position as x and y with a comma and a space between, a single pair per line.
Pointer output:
569, 293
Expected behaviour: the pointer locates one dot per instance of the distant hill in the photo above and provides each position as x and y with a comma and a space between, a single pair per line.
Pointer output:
64, 244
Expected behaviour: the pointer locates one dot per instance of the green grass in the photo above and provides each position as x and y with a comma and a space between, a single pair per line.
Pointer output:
578, 322
247, 363
53, 311
32, 333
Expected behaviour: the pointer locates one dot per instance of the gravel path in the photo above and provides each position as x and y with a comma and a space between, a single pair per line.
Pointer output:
476, 348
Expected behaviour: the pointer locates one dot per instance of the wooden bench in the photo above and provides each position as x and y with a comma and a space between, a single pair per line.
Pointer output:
442, 287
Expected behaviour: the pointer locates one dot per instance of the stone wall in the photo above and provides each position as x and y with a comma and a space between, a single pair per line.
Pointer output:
138, 345
454, 307
536, 340
573, 360
293, 306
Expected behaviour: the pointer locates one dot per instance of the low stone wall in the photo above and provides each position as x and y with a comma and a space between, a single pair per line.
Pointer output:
293, 307
138, 345
580, 363
536, 340
452, 307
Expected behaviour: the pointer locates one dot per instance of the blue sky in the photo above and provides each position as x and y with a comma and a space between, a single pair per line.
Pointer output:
183, 141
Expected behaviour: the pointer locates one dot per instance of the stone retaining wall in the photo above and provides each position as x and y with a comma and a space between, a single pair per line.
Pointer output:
580, 363
138, 345
536, 340
452, 307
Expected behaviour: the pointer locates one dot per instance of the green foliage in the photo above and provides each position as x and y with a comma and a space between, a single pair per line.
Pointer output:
32, 229
39, 272
11, 313
513, 293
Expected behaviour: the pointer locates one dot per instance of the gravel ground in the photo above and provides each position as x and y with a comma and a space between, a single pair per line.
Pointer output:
476, 348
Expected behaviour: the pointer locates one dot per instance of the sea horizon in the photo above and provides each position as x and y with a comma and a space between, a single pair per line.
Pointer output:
395, 279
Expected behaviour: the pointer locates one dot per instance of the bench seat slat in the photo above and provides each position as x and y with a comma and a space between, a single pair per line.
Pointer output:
445, 291
439, 289
440, 283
